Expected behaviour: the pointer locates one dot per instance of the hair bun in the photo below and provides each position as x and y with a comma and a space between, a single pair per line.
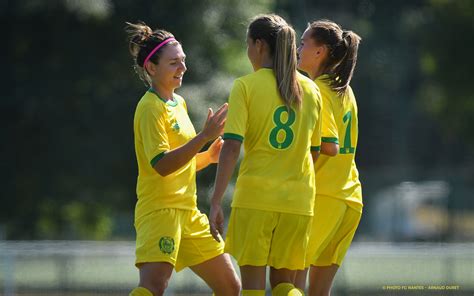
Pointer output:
143, 32
138, 32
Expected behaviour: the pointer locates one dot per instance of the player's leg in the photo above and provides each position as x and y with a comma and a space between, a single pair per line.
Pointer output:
253, 280
154, 278
324, 269
328, 216
301, 278
282, 280
321, 279
205, 256
248, 240
288, 252
158, 242
219, 274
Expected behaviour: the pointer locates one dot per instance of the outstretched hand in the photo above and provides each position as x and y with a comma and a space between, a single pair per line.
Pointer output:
214, 125
215, 150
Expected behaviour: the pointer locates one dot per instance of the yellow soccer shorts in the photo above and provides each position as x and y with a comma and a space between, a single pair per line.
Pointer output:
261, 238
179, 237
334, 227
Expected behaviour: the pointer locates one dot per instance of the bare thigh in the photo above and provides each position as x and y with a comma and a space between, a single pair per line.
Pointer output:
219, 274
282, 275
253, 277
321, 278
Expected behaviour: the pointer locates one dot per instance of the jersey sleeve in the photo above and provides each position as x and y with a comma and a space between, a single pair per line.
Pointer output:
329, 132
154, 137
237, 115
184, 104
316, 137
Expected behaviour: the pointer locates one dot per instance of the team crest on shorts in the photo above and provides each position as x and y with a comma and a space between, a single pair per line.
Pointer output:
166, 244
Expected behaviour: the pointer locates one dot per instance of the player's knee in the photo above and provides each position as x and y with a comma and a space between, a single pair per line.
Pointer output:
235, 286
230, 287
157, 287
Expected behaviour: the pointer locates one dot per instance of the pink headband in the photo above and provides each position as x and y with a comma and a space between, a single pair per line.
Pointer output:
166, 41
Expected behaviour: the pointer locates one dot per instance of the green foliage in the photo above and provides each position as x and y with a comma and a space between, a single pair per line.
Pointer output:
74, 220
446, 63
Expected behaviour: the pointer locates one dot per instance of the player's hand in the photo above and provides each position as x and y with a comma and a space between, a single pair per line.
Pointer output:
216, 221
214, 125
215, 150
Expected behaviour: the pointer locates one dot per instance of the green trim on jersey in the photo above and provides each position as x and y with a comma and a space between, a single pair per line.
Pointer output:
347, 150
330, 140
173, 102
156, 158
315, 148
233, 137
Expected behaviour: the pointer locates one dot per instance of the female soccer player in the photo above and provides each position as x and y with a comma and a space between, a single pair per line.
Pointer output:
328, 55
171, 232
275, 112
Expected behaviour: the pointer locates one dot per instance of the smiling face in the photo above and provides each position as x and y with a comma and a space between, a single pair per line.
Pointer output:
169, 71
310, 53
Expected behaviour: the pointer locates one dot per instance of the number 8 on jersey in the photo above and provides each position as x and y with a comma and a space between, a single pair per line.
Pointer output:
281, 136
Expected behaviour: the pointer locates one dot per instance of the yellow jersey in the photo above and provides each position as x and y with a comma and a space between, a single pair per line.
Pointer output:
160, 126
337, 176
276, 173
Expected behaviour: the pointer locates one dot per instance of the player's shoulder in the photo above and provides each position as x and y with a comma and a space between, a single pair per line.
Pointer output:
304, 80
307, 84
350, 92
349, 97
246, 82
179, 99
310, 90
323, 83
150, 103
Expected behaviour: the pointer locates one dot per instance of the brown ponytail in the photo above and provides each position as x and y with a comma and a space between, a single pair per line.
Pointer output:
342, 52
142, 40
281, 39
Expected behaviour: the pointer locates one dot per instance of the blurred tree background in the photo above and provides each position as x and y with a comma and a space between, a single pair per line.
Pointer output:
69, 94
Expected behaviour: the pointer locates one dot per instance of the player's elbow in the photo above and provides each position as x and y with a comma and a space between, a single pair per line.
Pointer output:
329, 149
161, 169
333, 151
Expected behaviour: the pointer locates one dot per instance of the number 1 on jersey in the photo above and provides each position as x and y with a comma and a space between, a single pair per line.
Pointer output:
347, 149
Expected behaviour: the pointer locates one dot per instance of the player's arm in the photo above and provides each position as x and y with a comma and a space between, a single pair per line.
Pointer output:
211, 155
234, 133
329, 130
315, 154
227, 162
174, 159
329, 149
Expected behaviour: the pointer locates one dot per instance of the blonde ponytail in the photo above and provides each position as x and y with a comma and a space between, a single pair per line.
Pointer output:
281, 39
285, 65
